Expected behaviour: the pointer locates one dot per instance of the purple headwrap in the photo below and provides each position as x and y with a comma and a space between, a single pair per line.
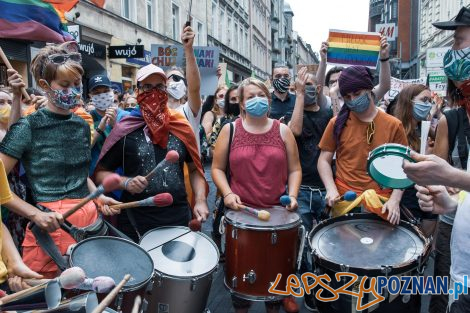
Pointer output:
355, 78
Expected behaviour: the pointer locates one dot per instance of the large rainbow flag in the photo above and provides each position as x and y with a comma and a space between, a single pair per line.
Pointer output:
353, 48
35, 20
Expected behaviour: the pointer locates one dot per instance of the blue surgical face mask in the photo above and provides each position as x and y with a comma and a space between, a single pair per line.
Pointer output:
66, 99
257, 106
421, 110
358, 104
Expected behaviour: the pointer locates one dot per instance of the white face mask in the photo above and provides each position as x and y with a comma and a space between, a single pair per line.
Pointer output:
177, 89
103, 101
221, 103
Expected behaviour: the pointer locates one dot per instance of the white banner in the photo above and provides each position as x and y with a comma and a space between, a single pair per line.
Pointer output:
398, 84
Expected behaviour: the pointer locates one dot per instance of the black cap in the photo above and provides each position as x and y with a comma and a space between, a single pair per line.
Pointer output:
462, 19
98, 80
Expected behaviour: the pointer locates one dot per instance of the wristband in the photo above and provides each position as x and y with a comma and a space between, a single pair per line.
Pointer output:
99, 131
127, 183
385, 60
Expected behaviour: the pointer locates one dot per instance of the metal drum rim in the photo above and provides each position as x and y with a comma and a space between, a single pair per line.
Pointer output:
162, 274
125, 288
264, 228
333, 266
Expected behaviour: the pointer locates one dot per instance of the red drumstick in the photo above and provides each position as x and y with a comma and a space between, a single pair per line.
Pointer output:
171, 157
160, 200
110, 183
195, 225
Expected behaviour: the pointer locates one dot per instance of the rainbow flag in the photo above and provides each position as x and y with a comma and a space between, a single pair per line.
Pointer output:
32, 20
353, 48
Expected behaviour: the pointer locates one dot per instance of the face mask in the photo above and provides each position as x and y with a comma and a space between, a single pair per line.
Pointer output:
359, 104
103, 101
281, 84
234, 109
457, 64
5, 114
421, 110
177, 90
66, 98
310, 94
221, 103
257, 106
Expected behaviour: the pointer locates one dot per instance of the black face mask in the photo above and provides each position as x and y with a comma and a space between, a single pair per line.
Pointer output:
234, 109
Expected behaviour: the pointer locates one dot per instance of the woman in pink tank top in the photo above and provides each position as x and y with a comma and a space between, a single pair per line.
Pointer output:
263, 160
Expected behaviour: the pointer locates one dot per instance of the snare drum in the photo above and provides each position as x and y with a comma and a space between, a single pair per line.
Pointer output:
184, 263
384, 165
257, 251
366, 245
115, 257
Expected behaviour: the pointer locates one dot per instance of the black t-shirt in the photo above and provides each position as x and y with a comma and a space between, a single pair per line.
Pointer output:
314, 124
281, 108
139, 158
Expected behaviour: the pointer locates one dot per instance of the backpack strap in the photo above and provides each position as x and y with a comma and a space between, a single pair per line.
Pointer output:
453, 123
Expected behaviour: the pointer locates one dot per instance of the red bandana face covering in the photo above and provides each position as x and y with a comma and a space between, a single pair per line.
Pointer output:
156, 115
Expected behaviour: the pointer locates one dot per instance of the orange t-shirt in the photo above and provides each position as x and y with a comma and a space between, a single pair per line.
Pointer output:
353, 150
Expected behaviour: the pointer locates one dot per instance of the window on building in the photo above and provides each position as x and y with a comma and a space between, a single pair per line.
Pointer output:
222, 24
214, 20
236, 42
240, 45
229, 30
247, 45
200, 34
394, 10
175, 12
149, 8
128, 9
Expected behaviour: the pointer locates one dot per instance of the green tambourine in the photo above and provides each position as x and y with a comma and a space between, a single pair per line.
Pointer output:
384, 165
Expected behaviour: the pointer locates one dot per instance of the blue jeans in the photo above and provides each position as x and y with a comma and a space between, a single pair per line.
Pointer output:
311, 203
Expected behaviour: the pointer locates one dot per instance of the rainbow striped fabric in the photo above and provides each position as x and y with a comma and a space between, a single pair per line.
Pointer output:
32, 20
353, 48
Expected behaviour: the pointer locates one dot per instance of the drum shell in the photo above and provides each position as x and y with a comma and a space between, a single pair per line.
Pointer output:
266, 252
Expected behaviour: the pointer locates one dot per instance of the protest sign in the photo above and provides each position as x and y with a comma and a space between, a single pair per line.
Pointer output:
207, 59
398, 84
166, 56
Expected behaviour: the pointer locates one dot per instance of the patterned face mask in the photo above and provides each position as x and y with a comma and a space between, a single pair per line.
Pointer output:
457, 64
66, 99
103, 101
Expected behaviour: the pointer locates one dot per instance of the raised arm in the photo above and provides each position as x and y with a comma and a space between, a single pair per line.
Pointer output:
321, 73
296, 122
384, 79
192, 71
16, 82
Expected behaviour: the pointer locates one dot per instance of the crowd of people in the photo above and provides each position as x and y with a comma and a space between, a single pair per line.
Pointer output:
311, 144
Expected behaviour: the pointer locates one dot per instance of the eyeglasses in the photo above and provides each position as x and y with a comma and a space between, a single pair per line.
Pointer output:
60, 58
177, 78
149, 87
370, 132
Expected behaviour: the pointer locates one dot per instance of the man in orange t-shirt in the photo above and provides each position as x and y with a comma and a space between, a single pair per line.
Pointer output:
359, 128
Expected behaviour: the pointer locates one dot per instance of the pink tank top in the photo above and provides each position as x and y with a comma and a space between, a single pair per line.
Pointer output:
258, 166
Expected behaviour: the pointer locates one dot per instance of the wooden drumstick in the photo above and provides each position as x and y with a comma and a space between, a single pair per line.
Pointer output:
137, 302
160, 200
110, 183
262, 215
110, 297
8, 65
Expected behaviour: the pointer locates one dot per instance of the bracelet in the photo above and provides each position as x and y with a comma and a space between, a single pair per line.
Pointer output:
230, 193
99, 131
385, 60
127, 183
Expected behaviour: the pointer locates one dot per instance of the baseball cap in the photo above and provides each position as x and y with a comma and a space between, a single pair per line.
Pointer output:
98, 80
148, 70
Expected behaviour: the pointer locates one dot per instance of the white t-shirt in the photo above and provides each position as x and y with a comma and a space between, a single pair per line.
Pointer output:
194, 121
459, 244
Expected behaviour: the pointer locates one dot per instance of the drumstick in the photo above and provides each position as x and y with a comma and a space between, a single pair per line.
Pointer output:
100, 284
110, 183
171, 157
137, 301
110, 297
8, 65
194, 226
160, 200
71, 278
262, 215
347, 196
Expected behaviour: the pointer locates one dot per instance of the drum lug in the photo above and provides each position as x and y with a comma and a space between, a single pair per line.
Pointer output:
273, 238
234, 233
119, 301
250, 276
386, 269
344, 268
193, 284
234, 282
158, 279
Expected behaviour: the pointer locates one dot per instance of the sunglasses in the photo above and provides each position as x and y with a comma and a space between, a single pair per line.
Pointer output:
177, 78
149, 87
60, 58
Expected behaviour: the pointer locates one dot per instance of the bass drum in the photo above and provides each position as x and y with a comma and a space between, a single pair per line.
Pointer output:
366, 245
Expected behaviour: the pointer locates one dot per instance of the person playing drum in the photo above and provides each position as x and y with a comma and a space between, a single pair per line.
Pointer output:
263, 160
54, 147
359, 128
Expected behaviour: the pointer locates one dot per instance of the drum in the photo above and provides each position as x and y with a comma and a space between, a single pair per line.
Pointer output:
366, 245
115, 257
384, 165
257, 251
184, 263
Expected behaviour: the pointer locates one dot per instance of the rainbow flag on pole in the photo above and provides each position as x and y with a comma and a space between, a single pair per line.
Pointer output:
33, 20
353, 48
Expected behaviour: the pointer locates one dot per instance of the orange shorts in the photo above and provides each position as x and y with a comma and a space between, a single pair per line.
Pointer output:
35, 257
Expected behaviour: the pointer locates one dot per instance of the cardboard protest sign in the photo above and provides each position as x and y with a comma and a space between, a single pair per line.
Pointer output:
311, 68
353, 48
166, 56
207, 59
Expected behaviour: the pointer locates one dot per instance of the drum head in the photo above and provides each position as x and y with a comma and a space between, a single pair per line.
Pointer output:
365, 243
190, 255
385, 166
280, 218
113, 257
